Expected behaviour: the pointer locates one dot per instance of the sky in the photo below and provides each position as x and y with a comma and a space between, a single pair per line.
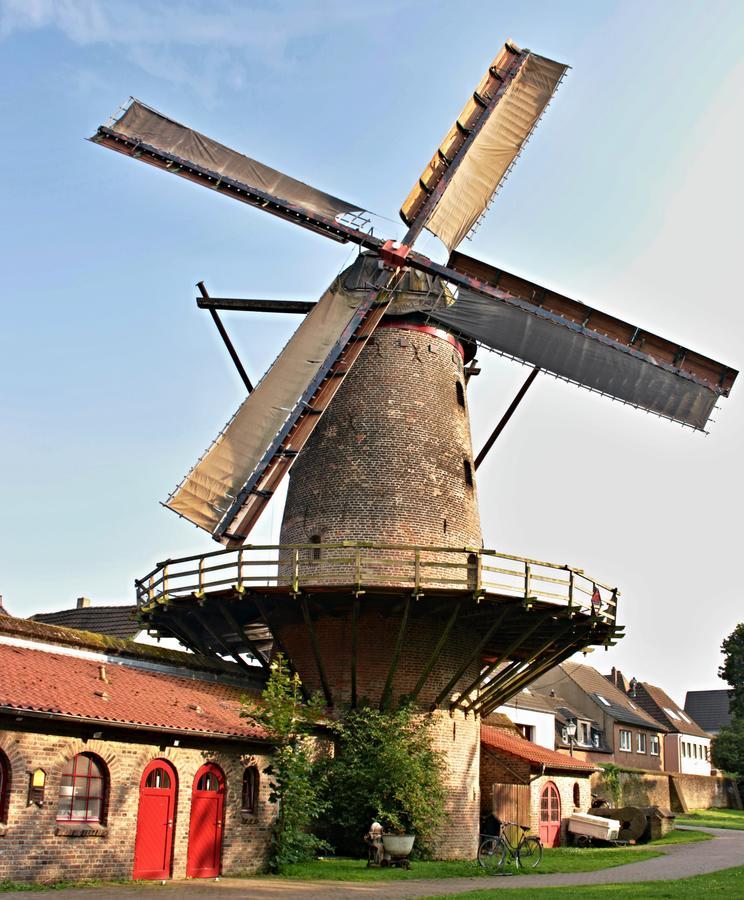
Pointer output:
628, 197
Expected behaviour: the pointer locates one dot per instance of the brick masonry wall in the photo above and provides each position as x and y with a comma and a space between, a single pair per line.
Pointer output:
34, 847
386, 462
664, 789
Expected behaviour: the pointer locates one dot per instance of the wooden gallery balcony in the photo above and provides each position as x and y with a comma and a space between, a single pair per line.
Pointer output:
529, 614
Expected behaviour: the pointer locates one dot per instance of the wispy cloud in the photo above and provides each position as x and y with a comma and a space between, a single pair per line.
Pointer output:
161, 37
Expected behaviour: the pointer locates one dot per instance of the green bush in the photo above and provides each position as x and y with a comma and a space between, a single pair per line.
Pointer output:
385, 768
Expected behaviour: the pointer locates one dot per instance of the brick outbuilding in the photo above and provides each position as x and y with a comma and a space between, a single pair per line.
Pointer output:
531, 785
121, 760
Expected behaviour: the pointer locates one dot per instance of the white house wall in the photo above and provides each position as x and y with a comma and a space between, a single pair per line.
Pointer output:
543, 723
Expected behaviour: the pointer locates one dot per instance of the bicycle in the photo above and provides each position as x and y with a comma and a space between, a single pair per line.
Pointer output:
493, 850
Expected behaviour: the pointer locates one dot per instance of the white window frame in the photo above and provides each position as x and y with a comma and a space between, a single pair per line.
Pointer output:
654, 743
641, 742
626, 740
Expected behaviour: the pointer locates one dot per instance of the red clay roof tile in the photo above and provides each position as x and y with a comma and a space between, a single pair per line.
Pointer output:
496, 739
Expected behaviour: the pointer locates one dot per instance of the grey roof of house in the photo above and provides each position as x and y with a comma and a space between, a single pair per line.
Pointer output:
659, 704
116, 621
621, 708
530, 699
710, 709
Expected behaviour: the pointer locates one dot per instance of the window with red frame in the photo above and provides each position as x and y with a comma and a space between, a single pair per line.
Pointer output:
82, 790
4, 786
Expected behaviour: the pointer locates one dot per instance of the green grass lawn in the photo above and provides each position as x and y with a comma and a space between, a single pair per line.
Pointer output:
713, 818
726, 883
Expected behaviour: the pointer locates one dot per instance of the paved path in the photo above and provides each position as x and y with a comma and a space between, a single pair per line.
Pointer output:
679, 861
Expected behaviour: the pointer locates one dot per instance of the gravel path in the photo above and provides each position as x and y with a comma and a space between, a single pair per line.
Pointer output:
678, 861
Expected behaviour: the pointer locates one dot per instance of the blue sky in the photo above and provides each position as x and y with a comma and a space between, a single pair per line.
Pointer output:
627, 197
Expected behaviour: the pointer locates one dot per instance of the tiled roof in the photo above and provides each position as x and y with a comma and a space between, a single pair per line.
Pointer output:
710, 709
621, 707
529, 699
498, 740
118, 621
661, 706
70, 686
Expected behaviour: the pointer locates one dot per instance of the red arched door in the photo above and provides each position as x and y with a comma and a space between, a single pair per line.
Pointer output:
205, 829
153, 844
550, 816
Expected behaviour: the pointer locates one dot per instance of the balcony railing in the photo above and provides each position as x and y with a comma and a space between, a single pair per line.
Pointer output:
361, 567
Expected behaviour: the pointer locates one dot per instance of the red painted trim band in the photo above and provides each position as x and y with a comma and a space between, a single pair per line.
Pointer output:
427, 329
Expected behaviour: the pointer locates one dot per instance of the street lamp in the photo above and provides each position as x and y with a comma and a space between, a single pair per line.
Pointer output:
571, 732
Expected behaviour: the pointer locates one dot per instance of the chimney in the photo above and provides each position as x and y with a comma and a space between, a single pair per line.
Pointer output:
83, 602
102, 674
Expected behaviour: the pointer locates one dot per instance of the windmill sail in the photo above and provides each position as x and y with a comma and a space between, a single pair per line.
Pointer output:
457, 185
210, 494
573, 341
148, 135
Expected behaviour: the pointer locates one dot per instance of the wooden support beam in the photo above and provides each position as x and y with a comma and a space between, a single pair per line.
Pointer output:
298, 307
182, 633
505, 678
505, 654
435, 653
505, 418
202, 620
316, 650
264, 613
354, 636
528, 676
388, 690
226, 340
475, 655
232, 623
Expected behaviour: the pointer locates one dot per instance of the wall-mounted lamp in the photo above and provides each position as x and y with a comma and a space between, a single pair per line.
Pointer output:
571, 732
36, 785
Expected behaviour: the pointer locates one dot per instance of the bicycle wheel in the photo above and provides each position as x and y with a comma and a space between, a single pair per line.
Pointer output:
491, 854
529, 853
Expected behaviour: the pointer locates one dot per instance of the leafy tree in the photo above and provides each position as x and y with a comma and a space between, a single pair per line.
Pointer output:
728, 748
732, 669
295, 780
386, 768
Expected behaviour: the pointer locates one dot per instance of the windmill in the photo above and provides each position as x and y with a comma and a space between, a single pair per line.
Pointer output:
380, 587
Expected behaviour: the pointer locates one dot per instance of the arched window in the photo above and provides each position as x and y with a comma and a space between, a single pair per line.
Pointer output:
576, 794
249, 803
82, 790
158, 778
4, 787
460, 391
208, 781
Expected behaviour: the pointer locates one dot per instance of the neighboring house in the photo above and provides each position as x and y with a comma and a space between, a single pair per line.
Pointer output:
116, 621
710, 709
528, 784
628, 735
587, 734
120, 760
686, 745
532, 716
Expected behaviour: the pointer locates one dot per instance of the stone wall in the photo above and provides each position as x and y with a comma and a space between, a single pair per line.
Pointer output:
35, 847
671, 790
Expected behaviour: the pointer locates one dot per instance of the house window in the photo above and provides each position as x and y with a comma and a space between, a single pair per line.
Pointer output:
460, 391
468, 472
595, 738
707, 753
315, 539
654, 750
249, 803
625, 742
4, 786
641, 745
576, 794
82, 789
684, 748
585, 733
527, 732
564, 734
671, 713
603, 700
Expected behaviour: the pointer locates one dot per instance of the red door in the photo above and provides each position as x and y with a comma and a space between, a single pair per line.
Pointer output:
153, 843
550, 816
205, 829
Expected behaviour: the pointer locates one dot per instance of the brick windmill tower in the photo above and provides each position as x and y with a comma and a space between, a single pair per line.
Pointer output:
380, 588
